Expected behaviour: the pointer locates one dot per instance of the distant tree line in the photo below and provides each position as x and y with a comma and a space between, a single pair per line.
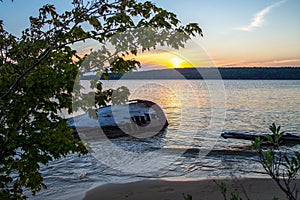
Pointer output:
243, 73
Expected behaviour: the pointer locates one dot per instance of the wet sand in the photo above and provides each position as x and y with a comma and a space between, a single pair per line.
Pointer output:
207, 189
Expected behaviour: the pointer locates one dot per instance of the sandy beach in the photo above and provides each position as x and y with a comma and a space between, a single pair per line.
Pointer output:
248, 188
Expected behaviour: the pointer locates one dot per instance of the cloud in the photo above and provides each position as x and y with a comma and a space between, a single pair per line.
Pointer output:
293, 62
258, 18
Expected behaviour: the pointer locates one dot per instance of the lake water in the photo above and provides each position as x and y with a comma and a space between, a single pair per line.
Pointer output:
197, 111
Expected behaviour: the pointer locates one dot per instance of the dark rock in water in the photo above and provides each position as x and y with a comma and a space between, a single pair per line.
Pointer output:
237, 152
193, 152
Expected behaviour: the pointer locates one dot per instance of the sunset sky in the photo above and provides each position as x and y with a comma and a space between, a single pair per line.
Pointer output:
236, 33
247, 32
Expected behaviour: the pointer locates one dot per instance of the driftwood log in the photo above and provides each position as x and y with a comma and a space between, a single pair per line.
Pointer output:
286, 138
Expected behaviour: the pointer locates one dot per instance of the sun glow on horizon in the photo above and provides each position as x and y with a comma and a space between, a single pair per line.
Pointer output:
167, 59
177, 62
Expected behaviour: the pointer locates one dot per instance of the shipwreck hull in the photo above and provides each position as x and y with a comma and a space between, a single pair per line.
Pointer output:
138, 118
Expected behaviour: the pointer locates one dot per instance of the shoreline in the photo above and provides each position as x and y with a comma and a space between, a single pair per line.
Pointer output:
206, 189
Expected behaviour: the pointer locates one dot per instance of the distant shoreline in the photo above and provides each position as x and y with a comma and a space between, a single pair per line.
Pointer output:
252, 188
235, 73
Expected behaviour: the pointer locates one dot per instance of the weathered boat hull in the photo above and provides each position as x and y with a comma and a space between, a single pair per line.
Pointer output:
138, 118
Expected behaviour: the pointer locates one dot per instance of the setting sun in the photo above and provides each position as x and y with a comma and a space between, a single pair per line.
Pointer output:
177, 62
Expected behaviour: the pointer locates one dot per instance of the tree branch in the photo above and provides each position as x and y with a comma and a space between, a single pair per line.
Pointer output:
41, 58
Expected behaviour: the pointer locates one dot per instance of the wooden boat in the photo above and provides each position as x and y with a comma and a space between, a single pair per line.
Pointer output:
286, 138
137, 118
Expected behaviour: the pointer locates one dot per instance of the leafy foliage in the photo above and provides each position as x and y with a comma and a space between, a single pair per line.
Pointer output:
233, 195
275, 139
187, 197
282, 167
38, 77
